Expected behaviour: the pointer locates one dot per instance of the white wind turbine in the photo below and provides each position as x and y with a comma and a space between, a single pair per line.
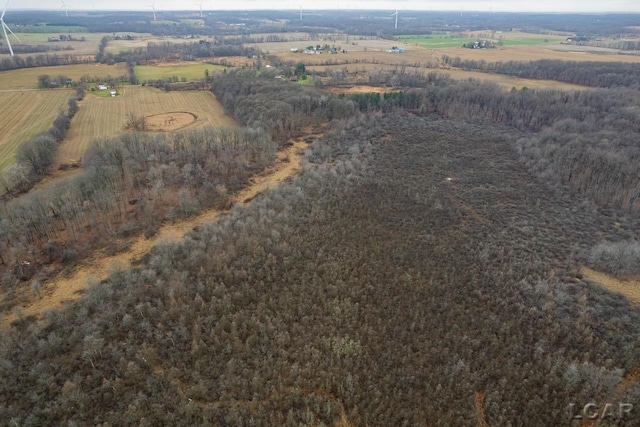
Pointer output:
64, 7
153, 7
5, 27
200, 4
396, 15
300, 6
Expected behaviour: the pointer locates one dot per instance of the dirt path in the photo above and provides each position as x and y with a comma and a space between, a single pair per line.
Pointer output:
478, 401
65, 289
627, 287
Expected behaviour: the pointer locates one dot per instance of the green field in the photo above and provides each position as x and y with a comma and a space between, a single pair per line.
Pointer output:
442, 41
531, 41
194, 71
437, 41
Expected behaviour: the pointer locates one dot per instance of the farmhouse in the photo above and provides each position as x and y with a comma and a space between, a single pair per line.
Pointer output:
396, 49
114, 93
103, 87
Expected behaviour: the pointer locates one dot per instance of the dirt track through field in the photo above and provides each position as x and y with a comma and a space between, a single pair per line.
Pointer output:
101, 265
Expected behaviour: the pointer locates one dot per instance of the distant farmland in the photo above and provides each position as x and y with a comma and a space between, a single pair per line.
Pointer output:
25, 114
190, 71
27, 78
106, 117
441, 41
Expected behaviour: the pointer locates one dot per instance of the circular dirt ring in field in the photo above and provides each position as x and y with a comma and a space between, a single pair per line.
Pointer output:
167, 122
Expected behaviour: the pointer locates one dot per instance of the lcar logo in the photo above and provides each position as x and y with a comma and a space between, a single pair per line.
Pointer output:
593, 411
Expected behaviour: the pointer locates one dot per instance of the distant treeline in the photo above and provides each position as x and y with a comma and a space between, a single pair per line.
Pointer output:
613, 44
16, 62
587, 73
176, 51
29, 48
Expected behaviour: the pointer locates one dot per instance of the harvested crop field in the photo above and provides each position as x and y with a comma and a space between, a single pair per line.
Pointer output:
106, 117
25, 114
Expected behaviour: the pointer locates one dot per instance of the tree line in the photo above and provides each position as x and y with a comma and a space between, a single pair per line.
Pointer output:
588, 73
181, 51
48, 60
130, 184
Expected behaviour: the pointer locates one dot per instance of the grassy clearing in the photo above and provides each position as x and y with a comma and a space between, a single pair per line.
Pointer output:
629, 288
441, 41
105, 93
190, 71
437, 41
105, 117
531, 41
25, 114
27, 78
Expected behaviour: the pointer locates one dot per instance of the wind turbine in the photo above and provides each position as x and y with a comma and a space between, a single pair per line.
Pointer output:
5, 27
396, 15
64, 7
300, 11
153, 7
200, 4
461, 10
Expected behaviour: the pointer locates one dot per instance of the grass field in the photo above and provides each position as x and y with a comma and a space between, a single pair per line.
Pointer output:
107, 117
27, 78
30, 38
25, 114
441, 41
436, 41
191, 71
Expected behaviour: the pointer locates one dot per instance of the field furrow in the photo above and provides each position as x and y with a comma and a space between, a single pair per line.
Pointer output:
24, 114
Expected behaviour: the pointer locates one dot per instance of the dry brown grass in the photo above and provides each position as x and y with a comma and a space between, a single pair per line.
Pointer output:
627, 287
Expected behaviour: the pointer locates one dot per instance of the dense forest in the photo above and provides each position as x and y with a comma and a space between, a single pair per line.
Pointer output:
423, 268
411, 268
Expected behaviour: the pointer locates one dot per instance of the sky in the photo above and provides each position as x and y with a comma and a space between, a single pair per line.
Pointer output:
581, 6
